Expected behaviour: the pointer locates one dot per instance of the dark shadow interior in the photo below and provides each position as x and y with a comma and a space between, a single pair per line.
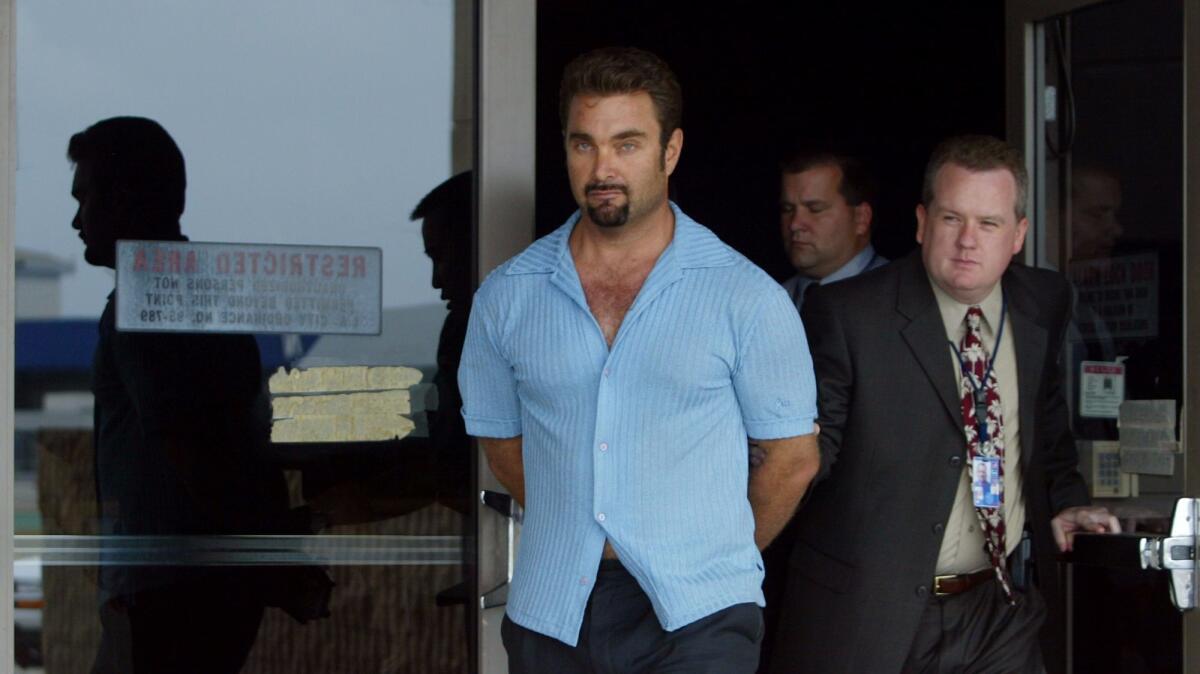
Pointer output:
885, 81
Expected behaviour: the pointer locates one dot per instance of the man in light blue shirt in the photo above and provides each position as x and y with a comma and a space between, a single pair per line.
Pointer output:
613, 372
825, 216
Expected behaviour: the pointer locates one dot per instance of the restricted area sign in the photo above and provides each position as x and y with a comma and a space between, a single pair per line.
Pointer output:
183, 286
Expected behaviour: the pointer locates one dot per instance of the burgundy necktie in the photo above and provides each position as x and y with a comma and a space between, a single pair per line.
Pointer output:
981, 401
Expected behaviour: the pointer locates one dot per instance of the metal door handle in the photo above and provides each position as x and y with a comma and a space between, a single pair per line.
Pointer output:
502, 503
497, 596
505, 505
1174, 553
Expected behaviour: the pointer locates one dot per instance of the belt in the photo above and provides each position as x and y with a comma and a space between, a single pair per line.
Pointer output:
947, 585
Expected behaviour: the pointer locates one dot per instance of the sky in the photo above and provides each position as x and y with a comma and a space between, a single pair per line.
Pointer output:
301, 121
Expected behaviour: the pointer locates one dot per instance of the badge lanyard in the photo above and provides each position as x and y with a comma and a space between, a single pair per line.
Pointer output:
979, 389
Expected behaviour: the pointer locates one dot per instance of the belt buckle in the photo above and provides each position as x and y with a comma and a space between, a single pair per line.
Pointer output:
937, 584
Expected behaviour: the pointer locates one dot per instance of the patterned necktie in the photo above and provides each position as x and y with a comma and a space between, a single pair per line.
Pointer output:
981, 402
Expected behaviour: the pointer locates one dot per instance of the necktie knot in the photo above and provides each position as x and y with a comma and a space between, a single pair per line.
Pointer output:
973, 351
974, 318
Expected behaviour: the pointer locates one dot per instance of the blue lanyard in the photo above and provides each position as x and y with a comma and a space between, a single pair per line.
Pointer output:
978, 390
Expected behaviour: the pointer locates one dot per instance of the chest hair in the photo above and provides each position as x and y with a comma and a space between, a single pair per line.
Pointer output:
610, 295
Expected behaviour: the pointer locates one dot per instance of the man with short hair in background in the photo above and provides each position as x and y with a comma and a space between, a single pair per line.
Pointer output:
826, 207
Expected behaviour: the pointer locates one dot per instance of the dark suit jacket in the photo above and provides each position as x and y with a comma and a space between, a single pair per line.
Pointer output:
892, 455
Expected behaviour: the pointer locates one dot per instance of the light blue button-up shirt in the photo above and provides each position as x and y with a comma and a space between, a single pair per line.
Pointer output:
643, 444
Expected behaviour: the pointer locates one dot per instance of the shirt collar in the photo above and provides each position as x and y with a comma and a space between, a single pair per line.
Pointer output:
954, 311
853, 267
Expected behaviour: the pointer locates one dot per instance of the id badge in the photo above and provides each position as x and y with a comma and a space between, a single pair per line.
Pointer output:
986, 484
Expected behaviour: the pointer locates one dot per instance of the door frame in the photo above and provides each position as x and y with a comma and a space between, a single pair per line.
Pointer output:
505, 163
1021, 18
7, 326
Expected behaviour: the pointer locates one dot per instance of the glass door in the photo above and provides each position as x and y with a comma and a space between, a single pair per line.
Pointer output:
268, 496
1100, 90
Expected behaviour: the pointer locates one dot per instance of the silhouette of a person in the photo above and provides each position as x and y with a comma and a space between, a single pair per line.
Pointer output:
179, 426
437, 467
446, 229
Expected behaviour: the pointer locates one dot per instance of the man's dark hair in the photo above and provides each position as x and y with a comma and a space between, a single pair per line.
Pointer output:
978, 153
611, 71
858, 183
453, 196
452, 201
134, 161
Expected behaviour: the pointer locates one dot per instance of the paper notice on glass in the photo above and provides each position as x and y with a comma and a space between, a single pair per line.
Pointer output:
1101, 389
1148, 461
1148, 444
1147, 438
1152, 413
190, 286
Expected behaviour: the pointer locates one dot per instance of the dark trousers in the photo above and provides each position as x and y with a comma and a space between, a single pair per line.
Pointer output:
977, 632
621, 635
205, 627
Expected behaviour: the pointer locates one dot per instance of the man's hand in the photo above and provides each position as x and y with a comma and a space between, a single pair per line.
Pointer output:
1082, 518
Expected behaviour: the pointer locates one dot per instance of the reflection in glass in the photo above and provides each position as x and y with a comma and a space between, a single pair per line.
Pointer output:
1120, 83
1123, 189
180, 438
299, 127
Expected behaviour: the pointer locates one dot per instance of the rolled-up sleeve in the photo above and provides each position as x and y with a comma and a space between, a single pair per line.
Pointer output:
486, 379
774, 380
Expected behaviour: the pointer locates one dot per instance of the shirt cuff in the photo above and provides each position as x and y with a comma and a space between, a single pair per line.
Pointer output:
481, 427
775, 429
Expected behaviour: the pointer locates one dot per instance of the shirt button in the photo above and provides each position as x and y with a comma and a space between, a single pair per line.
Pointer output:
922, 591
956, 461
583, 580
600, 517
607, 372
939, 528
604, 446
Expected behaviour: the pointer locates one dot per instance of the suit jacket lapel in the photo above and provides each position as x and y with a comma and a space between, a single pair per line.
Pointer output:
925, 332
1029, 343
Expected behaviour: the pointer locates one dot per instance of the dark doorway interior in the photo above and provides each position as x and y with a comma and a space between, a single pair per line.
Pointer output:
886, 81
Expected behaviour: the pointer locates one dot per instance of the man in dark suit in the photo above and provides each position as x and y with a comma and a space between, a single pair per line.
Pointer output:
944, 437
180, 425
